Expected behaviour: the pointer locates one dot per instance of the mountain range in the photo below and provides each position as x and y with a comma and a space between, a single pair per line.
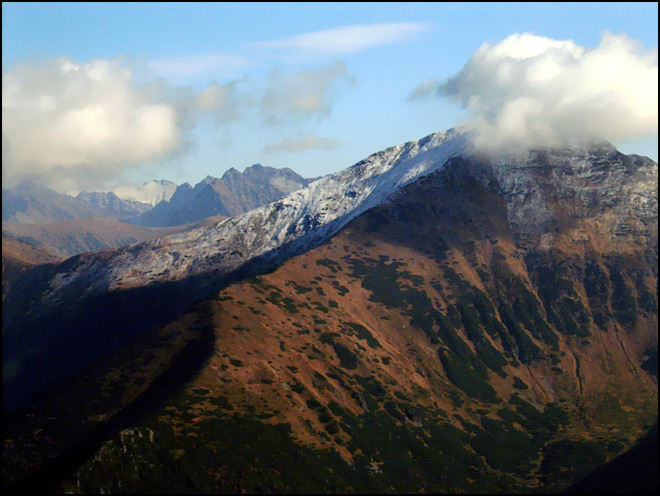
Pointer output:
94, 221
31, 203
232, 194
431, 319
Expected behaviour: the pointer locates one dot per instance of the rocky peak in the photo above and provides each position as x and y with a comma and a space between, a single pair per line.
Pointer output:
231, 173
208, 180
545, 189
253, 169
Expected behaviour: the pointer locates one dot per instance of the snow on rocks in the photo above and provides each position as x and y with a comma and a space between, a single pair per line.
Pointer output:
531, 184
279, 230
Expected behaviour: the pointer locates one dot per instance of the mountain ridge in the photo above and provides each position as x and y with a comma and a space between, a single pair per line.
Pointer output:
315, 209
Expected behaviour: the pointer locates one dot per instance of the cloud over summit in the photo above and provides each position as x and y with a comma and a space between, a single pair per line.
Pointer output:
531, 90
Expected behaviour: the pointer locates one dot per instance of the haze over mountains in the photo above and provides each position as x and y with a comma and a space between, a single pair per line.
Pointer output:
430, 319
98, 220
31, 203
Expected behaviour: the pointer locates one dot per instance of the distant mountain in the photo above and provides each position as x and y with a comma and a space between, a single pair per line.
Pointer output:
151, 193
232, 194
31, 203
111, 205
67, 226
73, 236
97, 220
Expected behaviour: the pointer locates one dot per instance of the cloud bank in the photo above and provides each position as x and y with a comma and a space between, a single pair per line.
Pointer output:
75, 125
79, 126
534, 91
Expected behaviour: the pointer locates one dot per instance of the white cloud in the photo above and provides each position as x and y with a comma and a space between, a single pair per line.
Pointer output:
291, 98
531, 90
308, 142
61, 114
208, 65
351, 39
75, 124
222, 102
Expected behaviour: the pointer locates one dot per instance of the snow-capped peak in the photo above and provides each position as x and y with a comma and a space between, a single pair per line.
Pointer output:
151, 192
274, 232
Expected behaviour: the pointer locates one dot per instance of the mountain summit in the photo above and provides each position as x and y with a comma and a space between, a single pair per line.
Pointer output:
151, 192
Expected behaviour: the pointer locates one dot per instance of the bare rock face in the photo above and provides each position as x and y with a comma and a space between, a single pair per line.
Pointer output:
551, 189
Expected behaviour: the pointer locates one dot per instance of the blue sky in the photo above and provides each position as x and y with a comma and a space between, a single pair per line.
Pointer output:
311, 86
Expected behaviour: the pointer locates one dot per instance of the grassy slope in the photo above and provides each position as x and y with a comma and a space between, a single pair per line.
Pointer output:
18, 257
